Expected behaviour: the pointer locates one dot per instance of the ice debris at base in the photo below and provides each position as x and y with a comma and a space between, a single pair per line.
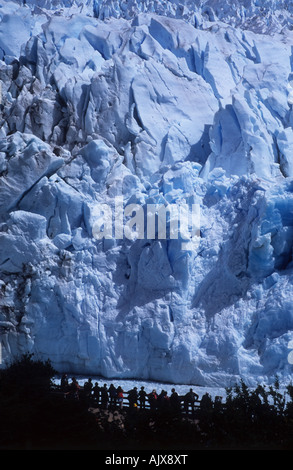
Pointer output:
158, 103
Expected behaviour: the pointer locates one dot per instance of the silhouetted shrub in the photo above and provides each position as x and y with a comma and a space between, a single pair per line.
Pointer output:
33, 416
26, 378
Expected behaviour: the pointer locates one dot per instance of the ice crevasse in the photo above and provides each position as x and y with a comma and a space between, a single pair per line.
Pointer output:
154, 103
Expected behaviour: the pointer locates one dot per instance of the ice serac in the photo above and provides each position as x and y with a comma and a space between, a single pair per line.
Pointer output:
154, 104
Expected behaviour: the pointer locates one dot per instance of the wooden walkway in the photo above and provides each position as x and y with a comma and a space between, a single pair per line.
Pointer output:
183, 407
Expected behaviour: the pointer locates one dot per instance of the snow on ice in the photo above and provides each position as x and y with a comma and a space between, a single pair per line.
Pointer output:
156, 103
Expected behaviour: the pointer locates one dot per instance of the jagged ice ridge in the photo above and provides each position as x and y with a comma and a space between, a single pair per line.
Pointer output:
161, 103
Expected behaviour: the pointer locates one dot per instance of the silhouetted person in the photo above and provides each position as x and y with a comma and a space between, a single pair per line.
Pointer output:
120, 396
206, 403
133, 397
96, 393
88, 386
163, 400
74, 388
152, 398
64, 383
142, 397
104, 397
175, 401
112, 396
190, 398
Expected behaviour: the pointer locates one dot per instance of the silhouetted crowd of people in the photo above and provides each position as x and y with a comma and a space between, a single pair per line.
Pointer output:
111, 397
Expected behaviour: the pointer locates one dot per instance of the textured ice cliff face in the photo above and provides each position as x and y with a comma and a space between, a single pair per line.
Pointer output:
157, 103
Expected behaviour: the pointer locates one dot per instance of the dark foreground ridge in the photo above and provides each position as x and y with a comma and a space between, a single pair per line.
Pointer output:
37, 414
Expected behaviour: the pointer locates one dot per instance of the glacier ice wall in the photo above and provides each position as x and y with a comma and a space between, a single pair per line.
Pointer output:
156, 103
